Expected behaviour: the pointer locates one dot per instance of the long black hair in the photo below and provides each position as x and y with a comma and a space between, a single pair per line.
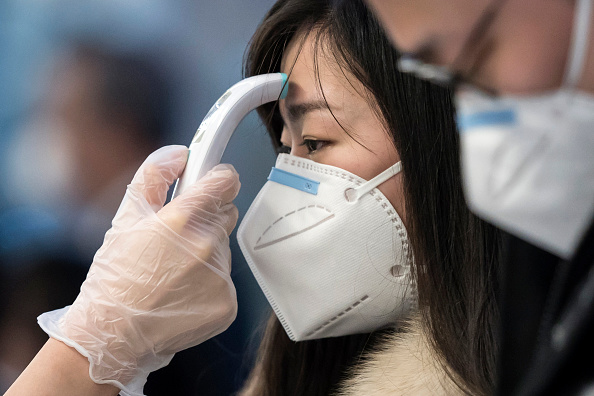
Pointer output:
456, 254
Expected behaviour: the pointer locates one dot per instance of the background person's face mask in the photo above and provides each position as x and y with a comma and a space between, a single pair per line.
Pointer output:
528, 162
328, 249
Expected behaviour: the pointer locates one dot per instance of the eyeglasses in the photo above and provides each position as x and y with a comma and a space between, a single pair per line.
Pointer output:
448, 76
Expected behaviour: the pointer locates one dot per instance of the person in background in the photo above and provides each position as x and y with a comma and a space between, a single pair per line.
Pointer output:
523, 71
102, 113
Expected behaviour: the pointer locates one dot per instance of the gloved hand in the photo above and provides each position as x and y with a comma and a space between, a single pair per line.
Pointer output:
160, 282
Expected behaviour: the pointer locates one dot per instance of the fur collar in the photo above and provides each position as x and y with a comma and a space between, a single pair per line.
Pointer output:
405, 364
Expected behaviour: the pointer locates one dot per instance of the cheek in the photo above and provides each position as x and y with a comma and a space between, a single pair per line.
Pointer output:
535, 63
522, 68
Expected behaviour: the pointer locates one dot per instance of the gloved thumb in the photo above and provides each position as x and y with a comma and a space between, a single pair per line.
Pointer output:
158, 172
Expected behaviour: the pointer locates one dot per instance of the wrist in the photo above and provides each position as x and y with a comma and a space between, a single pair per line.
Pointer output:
102, 366
58, 369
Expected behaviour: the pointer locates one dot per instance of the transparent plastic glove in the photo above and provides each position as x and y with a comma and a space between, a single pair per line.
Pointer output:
160, 282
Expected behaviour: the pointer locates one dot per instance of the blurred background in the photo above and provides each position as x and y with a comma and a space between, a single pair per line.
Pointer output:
88, 90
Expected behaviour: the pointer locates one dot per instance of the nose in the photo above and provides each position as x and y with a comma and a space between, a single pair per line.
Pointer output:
298, 150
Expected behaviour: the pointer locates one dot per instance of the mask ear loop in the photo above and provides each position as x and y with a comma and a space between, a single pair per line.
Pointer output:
353, 194
579, 42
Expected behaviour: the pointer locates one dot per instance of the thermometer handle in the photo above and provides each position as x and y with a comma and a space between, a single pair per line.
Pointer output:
220, 122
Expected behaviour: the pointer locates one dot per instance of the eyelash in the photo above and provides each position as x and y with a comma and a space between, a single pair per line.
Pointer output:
313, 145
283, 149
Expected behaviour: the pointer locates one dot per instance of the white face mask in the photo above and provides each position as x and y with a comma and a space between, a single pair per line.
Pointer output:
528, 162
328, 249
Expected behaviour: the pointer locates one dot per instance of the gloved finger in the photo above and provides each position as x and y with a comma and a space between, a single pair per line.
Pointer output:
231, 216
207, 209
206, 236
158, 172
202, 202
219, 224
221, 183
148, 190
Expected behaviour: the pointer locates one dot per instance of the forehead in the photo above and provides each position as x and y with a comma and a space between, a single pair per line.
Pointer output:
308, 49
323, 93
313, 66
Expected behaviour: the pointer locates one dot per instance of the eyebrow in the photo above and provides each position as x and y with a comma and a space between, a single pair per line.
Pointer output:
297, 111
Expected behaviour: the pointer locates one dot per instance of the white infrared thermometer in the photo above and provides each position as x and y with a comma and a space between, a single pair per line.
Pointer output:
222, 119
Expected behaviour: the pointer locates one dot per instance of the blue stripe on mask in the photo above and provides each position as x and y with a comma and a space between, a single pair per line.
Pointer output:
486, 118
295, 181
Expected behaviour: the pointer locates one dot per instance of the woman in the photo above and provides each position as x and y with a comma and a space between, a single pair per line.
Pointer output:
163, 271
323, 48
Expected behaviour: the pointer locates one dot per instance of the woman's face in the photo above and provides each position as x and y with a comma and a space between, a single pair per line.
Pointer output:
311, 131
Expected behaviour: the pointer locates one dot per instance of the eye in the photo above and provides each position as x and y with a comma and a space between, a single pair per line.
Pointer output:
313, 145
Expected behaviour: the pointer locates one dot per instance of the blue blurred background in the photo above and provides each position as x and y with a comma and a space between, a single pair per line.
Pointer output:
88, 90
